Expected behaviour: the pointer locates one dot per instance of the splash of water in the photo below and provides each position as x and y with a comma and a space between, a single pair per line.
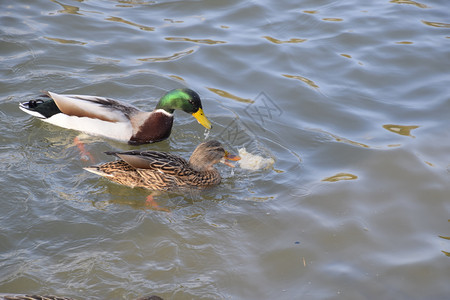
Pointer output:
206, 133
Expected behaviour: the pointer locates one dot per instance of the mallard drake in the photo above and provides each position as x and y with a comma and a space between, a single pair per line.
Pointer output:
161, 171
115, 120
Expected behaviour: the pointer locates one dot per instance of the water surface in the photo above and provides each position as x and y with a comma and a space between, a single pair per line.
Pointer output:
350, 98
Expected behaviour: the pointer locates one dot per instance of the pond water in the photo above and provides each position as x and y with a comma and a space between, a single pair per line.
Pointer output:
351, 99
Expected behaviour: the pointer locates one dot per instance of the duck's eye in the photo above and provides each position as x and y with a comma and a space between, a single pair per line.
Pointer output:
32, 104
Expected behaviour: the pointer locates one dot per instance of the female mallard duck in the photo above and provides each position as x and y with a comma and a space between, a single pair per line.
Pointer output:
160, 171
112, 119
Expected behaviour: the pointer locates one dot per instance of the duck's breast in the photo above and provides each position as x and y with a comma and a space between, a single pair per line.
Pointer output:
151, 127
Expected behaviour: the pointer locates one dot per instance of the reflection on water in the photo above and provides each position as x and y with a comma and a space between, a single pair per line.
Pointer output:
131, 3
177, 77
436, 24
340, 176
304, 79
174, 56
343, 139
142, 27
173, 21
68, 9
228, 95
64, 41
400, 129
445, 238
291, 41
333, 19
420, 5
198, 41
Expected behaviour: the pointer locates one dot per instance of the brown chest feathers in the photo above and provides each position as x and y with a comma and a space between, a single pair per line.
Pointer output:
155, 128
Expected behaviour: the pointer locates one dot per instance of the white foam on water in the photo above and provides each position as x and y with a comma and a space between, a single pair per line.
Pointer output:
251, 161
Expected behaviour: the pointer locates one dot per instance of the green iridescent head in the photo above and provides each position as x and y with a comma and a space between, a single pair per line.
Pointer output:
186, 100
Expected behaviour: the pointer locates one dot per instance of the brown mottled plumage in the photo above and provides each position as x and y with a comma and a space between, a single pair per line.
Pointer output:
162, 171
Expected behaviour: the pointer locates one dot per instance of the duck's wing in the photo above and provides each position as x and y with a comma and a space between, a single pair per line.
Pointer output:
157, 161
93, 107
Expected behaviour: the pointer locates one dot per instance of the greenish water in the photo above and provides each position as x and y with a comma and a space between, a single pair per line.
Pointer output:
350, 98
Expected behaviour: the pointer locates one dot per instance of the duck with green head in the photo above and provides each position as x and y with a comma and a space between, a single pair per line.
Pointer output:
115, 120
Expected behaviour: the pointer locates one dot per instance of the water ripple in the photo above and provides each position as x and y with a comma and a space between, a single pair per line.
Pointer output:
436, 24
350, 99
120, 20
197, 41
68, 9
175, 56
290, 41
410, 2
228, 95
303, 79
64, 41
401, 129
341, 176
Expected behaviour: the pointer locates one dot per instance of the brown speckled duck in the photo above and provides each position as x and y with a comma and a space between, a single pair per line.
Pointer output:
161, 171
115, 120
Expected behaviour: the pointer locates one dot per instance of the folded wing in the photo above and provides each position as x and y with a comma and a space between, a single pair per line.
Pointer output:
93, 107
157, 161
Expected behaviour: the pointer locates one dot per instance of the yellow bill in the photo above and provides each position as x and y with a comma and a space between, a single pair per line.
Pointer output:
200, 116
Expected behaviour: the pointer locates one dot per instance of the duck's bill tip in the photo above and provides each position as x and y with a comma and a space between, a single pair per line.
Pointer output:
232, 157
228, 157
201, 118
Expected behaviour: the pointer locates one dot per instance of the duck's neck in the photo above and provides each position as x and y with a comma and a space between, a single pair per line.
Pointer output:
206, 177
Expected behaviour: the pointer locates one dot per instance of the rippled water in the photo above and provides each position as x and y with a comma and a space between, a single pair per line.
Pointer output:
351, 99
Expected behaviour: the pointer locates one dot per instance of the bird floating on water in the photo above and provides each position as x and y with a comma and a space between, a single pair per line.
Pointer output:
115, 120
161, 171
